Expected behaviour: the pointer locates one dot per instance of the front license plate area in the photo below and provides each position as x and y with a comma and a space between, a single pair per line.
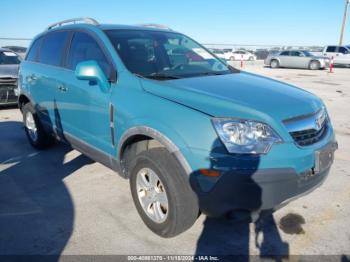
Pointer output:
324, 159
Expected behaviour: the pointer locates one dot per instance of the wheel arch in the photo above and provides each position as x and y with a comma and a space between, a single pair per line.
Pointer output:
315, 60
148, 137
22, 100
275, 58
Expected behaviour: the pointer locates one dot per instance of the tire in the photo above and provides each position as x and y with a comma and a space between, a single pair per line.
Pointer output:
314, 65
181, 210
274, 63
35, 132
251, 58
232, 58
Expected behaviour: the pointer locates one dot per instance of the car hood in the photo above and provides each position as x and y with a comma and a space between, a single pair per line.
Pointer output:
9, 71
241, 95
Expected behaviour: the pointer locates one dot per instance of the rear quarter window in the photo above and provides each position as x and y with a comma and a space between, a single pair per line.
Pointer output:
34, 50
51, 52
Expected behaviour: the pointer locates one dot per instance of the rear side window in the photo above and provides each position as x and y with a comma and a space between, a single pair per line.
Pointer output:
331, 49
285, 53
83, 48
33, 52
52, 48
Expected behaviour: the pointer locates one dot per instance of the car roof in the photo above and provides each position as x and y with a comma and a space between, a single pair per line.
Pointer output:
148, 27
103, 27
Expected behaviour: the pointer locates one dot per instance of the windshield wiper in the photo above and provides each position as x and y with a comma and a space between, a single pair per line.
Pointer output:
158, 76
211, 74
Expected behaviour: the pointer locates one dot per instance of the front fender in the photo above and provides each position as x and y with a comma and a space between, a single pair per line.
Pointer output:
159, 135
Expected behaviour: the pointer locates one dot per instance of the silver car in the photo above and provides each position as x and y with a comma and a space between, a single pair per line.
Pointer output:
9, 63
296, 59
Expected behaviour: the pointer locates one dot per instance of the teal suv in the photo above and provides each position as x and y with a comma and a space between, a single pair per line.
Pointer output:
191, 133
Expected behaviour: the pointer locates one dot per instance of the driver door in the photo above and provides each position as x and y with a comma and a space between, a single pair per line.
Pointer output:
82, 107
298, 59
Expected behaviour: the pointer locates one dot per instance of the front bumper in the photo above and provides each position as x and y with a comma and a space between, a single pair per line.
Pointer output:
254, 189
8, 94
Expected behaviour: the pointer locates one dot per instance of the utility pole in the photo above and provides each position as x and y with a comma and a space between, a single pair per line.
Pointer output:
344, 22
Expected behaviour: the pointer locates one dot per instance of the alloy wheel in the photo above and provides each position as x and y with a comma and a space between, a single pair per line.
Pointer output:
152, 195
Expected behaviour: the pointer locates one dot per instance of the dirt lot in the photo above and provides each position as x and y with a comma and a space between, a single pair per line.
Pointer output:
60, 202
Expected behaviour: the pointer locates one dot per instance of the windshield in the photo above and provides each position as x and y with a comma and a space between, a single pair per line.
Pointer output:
9, 58
164, 55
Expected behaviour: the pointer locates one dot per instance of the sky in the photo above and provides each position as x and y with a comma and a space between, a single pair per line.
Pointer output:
241, 22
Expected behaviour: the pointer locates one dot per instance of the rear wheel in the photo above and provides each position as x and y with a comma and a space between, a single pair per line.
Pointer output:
35, 132
162, 193
274, 64
314, 65
251, 58
232, 58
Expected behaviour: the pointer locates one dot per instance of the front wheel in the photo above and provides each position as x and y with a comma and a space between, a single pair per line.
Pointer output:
35, 132
162, 194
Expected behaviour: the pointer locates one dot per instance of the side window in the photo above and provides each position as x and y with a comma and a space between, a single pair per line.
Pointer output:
295, 53
51, 51
33, 52
343, 50
84, 48
285, 53
331, 49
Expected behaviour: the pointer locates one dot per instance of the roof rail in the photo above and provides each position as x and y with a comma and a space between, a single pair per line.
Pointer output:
85, 20
156, 26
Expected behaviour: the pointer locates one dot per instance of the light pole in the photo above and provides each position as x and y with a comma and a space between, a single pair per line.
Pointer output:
344, 22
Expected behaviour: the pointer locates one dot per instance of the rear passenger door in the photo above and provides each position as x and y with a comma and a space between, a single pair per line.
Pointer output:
284, 58
83, 106
44, 70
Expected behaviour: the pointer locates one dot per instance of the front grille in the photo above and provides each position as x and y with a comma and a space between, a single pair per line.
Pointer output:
310, 129
309, 136
7, 90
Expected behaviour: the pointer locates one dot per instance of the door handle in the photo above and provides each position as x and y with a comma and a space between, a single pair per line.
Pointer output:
62, 88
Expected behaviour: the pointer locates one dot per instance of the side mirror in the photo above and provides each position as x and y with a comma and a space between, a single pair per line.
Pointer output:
91, 71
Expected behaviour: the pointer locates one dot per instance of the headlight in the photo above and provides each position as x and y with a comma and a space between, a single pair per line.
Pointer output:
242, 136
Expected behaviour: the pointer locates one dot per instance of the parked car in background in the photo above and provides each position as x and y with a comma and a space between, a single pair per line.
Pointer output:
219, 53
20, 50
9, 63
192, 135
261, 54
340, 54
296, 59
240, 55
